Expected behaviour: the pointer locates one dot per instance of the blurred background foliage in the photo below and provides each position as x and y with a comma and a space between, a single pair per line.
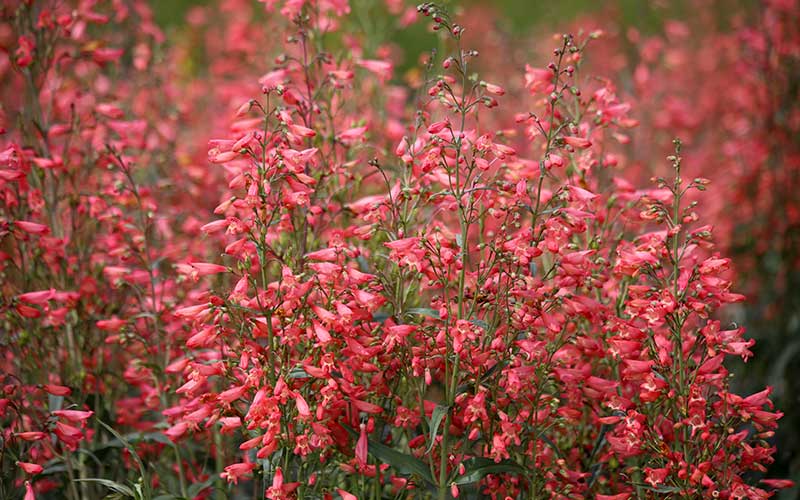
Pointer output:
516, 18
777, 353
524, 15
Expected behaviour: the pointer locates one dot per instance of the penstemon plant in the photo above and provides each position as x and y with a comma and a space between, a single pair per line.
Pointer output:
450, 290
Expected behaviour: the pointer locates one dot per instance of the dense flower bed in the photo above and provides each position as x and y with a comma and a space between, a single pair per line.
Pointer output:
257, 262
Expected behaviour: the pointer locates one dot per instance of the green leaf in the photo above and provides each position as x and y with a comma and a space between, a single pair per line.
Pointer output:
380, 316
662, 489
484, 378
55, 403
131, 449
134, 437
433, 424
550, 443
144, 315
157, 437
477, 468
54, 469
424, 311
481, 323
112, 485
138, 490
363, 265
196, 488
298, 372
405, 465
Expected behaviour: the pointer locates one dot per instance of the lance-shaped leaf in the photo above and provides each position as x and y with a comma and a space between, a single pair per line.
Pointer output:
433, 424
404, 464
479, 467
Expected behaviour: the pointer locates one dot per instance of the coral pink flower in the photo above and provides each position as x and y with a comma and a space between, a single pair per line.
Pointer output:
234, 472
30, 468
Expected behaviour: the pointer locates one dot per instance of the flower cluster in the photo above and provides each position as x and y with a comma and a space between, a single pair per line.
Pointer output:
302, 279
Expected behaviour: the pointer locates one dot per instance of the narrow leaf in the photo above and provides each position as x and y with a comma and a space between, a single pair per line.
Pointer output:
196, 488
406, 465
131, 449
478, 468
433, 424
424, 311
112, 485
298, 372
